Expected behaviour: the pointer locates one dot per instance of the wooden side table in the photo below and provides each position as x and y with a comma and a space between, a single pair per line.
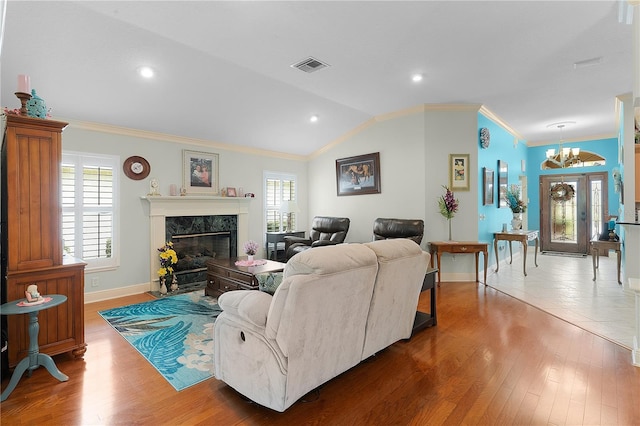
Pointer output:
427, 319
35, 359
596, 246
460, 247
523, 237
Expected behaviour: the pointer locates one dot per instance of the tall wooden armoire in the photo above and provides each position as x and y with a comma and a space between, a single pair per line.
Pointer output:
32, 238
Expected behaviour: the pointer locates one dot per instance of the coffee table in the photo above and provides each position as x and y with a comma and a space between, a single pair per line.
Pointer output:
224, 275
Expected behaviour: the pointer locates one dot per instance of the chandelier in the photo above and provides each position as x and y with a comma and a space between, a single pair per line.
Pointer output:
565, 157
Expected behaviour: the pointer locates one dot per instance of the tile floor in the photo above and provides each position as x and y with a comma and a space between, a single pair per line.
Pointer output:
564, 287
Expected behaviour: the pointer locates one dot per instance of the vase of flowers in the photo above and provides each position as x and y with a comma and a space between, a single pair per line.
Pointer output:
250, 249
517, 206
448, 206
168, 259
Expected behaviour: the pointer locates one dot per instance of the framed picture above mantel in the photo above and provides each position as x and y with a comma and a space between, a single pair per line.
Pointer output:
200, 172
358, 175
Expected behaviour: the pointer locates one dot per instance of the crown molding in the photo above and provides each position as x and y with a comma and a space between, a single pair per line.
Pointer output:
144, 134
500, 122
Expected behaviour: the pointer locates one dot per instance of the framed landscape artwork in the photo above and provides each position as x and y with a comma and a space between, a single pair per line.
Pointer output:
488, 187
459, 172
200, 172
358, 175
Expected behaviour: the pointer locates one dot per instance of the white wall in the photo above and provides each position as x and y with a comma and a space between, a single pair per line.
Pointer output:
400, 143
414, 148
414, 151
237, 169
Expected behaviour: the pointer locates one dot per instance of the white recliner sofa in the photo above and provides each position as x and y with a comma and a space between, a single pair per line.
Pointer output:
335, 307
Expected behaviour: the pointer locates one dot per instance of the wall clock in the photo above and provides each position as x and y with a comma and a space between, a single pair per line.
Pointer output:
485, 138
136, 167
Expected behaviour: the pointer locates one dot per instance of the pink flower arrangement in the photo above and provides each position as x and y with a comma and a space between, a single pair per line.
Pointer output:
250, 247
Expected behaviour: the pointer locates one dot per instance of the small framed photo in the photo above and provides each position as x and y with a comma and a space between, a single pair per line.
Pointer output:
488, 186
231, 192
459, 172
200, 172
358, 175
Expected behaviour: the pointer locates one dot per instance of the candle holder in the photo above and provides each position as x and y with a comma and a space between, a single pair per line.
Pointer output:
24, 98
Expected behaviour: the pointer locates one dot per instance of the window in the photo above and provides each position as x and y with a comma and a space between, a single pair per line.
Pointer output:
279, 190
89, 208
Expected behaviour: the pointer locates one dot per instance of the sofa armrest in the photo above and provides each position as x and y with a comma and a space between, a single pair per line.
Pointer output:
249, 305
323, 243
290, 240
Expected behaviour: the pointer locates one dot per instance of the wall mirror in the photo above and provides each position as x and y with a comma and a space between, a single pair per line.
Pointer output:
503, 182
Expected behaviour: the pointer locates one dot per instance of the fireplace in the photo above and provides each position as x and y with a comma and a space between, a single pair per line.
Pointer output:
193, 214
198, 239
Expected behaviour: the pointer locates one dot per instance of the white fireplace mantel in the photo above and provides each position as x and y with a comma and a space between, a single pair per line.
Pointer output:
161, 207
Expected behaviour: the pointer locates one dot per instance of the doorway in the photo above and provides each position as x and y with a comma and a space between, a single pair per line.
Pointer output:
573, 209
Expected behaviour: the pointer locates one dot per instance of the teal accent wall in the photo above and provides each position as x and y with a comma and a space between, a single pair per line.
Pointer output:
502, 147
607, 148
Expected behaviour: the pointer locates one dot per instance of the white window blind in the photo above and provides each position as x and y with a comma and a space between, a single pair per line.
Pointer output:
89, 194
279, 189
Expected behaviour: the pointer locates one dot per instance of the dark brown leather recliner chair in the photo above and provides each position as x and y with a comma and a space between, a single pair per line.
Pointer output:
412, 229
325, 231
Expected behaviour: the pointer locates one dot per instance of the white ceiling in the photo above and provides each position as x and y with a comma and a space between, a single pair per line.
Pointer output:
224, 75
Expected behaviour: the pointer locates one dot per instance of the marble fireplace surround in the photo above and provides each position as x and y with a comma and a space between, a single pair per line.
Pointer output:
161, 207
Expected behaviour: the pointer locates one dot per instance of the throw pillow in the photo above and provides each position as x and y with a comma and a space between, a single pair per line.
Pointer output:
269, 282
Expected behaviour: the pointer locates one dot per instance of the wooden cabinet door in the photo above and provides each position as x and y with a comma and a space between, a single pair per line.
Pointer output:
61, 327
33, 155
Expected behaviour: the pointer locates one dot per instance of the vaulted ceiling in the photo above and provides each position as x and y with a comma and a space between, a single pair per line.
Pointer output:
223, 69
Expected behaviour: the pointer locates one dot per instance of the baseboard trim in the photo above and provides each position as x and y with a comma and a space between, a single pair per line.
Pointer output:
99, 296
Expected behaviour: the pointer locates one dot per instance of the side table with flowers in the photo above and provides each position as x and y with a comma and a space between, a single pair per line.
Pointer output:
168, 259
448, 206
517, 206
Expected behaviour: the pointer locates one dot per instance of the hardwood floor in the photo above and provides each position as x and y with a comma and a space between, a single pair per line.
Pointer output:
490, 360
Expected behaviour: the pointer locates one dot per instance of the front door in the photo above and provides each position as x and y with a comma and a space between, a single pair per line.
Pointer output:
572, 211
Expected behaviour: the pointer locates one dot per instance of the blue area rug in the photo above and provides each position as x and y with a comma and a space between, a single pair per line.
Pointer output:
175, 334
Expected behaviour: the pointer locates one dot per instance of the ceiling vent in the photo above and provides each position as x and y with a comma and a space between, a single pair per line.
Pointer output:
310, 65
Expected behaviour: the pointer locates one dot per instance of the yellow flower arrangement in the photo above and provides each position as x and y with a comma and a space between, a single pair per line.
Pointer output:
168, 259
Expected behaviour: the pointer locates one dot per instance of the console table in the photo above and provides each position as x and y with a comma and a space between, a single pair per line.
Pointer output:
523, 237
224, 275
275, 238
597, 245
35, 359
457, 247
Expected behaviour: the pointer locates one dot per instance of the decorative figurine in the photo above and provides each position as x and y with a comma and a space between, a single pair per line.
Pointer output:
32, 294
174, 283
153, 187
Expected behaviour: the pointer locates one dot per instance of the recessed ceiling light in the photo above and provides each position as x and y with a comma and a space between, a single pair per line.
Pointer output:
146, 72
313, 118
416, 77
